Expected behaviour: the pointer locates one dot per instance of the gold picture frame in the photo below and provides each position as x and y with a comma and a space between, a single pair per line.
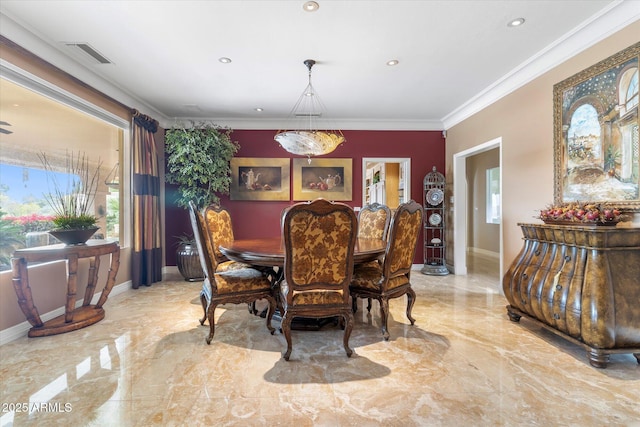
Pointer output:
330, 179
256, 178
596, 133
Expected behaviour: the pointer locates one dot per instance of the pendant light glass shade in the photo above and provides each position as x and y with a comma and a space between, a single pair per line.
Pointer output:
307, 137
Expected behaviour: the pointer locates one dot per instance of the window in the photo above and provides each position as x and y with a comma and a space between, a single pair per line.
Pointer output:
493, 196
40, 118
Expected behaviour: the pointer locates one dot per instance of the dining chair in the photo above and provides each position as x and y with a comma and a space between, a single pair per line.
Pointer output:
319, 240
237, 285
220, 228
391, 279
373, 221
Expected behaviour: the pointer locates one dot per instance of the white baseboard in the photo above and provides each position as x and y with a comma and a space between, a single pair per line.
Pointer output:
21, 329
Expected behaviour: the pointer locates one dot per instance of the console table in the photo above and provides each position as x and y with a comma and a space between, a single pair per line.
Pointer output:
582, 283
74, 318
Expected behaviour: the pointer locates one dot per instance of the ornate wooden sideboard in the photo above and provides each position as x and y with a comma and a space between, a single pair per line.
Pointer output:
582, 283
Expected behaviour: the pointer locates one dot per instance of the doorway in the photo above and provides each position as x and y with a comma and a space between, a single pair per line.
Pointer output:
386, 180
461, 204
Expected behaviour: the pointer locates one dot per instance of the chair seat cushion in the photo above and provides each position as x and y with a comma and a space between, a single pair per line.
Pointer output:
369, 276
313, 297
241, 280
231, 265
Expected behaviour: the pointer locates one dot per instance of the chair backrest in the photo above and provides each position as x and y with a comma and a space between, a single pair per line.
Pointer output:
319, 238
373, 221
203, 242
403, 239
218, 224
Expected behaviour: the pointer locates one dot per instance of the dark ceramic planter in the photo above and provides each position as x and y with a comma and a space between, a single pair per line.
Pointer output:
188, 262
74, 237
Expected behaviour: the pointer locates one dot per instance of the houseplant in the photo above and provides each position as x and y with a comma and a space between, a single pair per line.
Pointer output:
72, 201
198, 161
188, 259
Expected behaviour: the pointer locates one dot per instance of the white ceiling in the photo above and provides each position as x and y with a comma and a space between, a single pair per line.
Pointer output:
453, 55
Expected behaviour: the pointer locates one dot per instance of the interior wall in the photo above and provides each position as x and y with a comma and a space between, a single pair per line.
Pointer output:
254, 219
481, 235
524, 121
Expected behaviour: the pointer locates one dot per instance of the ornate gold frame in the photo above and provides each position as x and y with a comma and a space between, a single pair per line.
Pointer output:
270, 175
600, 162
306, 177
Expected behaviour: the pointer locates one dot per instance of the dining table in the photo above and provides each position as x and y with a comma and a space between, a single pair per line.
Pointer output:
269, 251
267, 254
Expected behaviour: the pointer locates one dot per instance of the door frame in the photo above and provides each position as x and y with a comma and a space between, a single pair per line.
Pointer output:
460, 215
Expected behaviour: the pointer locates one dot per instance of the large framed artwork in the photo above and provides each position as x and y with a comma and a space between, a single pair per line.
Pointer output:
254, 178
596, 154
330, 179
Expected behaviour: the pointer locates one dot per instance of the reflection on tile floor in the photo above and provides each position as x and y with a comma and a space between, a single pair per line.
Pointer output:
463, 363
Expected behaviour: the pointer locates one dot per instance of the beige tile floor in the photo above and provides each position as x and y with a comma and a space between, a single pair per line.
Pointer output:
462, 364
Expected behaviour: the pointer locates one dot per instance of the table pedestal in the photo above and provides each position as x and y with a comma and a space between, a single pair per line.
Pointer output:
73, 318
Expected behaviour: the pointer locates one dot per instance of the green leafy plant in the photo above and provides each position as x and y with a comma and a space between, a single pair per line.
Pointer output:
185, 239
72, 201
198, 161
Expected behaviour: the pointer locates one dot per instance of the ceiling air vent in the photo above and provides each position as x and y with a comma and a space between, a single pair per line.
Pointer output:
86, 50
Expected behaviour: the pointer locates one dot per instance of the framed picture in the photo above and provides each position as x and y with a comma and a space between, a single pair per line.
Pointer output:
327, 178
596, 154
254, 178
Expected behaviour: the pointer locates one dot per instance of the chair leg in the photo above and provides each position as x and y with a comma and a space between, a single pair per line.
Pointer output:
203, 301
252, 308
272, 309
411, 299
286, 330
348, 319
212, 326
384, 317
354, 303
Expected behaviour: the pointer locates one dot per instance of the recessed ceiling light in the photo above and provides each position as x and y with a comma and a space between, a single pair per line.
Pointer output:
259, 110
516, 22
393, 62
225, 60
310, 6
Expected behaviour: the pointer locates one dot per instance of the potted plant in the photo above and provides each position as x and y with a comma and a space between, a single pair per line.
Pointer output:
72, 201
198, 161
188, 259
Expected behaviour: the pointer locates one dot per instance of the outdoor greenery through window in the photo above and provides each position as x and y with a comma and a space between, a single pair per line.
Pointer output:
33, 124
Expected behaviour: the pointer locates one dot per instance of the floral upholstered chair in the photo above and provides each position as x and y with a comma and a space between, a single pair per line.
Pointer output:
236, 285
319, 239
391, 279
373, 221
220, 229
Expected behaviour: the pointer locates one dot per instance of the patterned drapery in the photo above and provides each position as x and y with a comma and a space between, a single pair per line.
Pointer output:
146, 260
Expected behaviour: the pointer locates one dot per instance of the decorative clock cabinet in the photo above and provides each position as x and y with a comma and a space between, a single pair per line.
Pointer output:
434, 214
582, 283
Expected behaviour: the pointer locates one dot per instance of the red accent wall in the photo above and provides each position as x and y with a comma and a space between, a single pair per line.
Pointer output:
252, 219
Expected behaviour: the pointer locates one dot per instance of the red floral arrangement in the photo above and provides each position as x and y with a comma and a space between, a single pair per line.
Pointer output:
582, 213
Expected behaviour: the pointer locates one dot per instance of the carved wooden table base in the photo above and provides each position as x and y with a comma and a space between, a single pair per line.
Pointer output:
74, 318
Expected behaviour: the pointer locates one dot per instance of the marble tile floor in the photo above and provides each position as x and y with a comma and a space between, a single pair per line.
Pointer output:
462, 363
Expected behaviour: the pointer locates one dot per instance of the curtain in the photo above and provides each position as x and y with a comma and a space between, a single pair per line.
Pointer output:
146, 260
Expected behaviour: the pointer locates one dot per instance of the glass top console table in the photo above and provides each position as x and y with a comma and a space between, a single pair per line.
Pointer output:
73, 318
